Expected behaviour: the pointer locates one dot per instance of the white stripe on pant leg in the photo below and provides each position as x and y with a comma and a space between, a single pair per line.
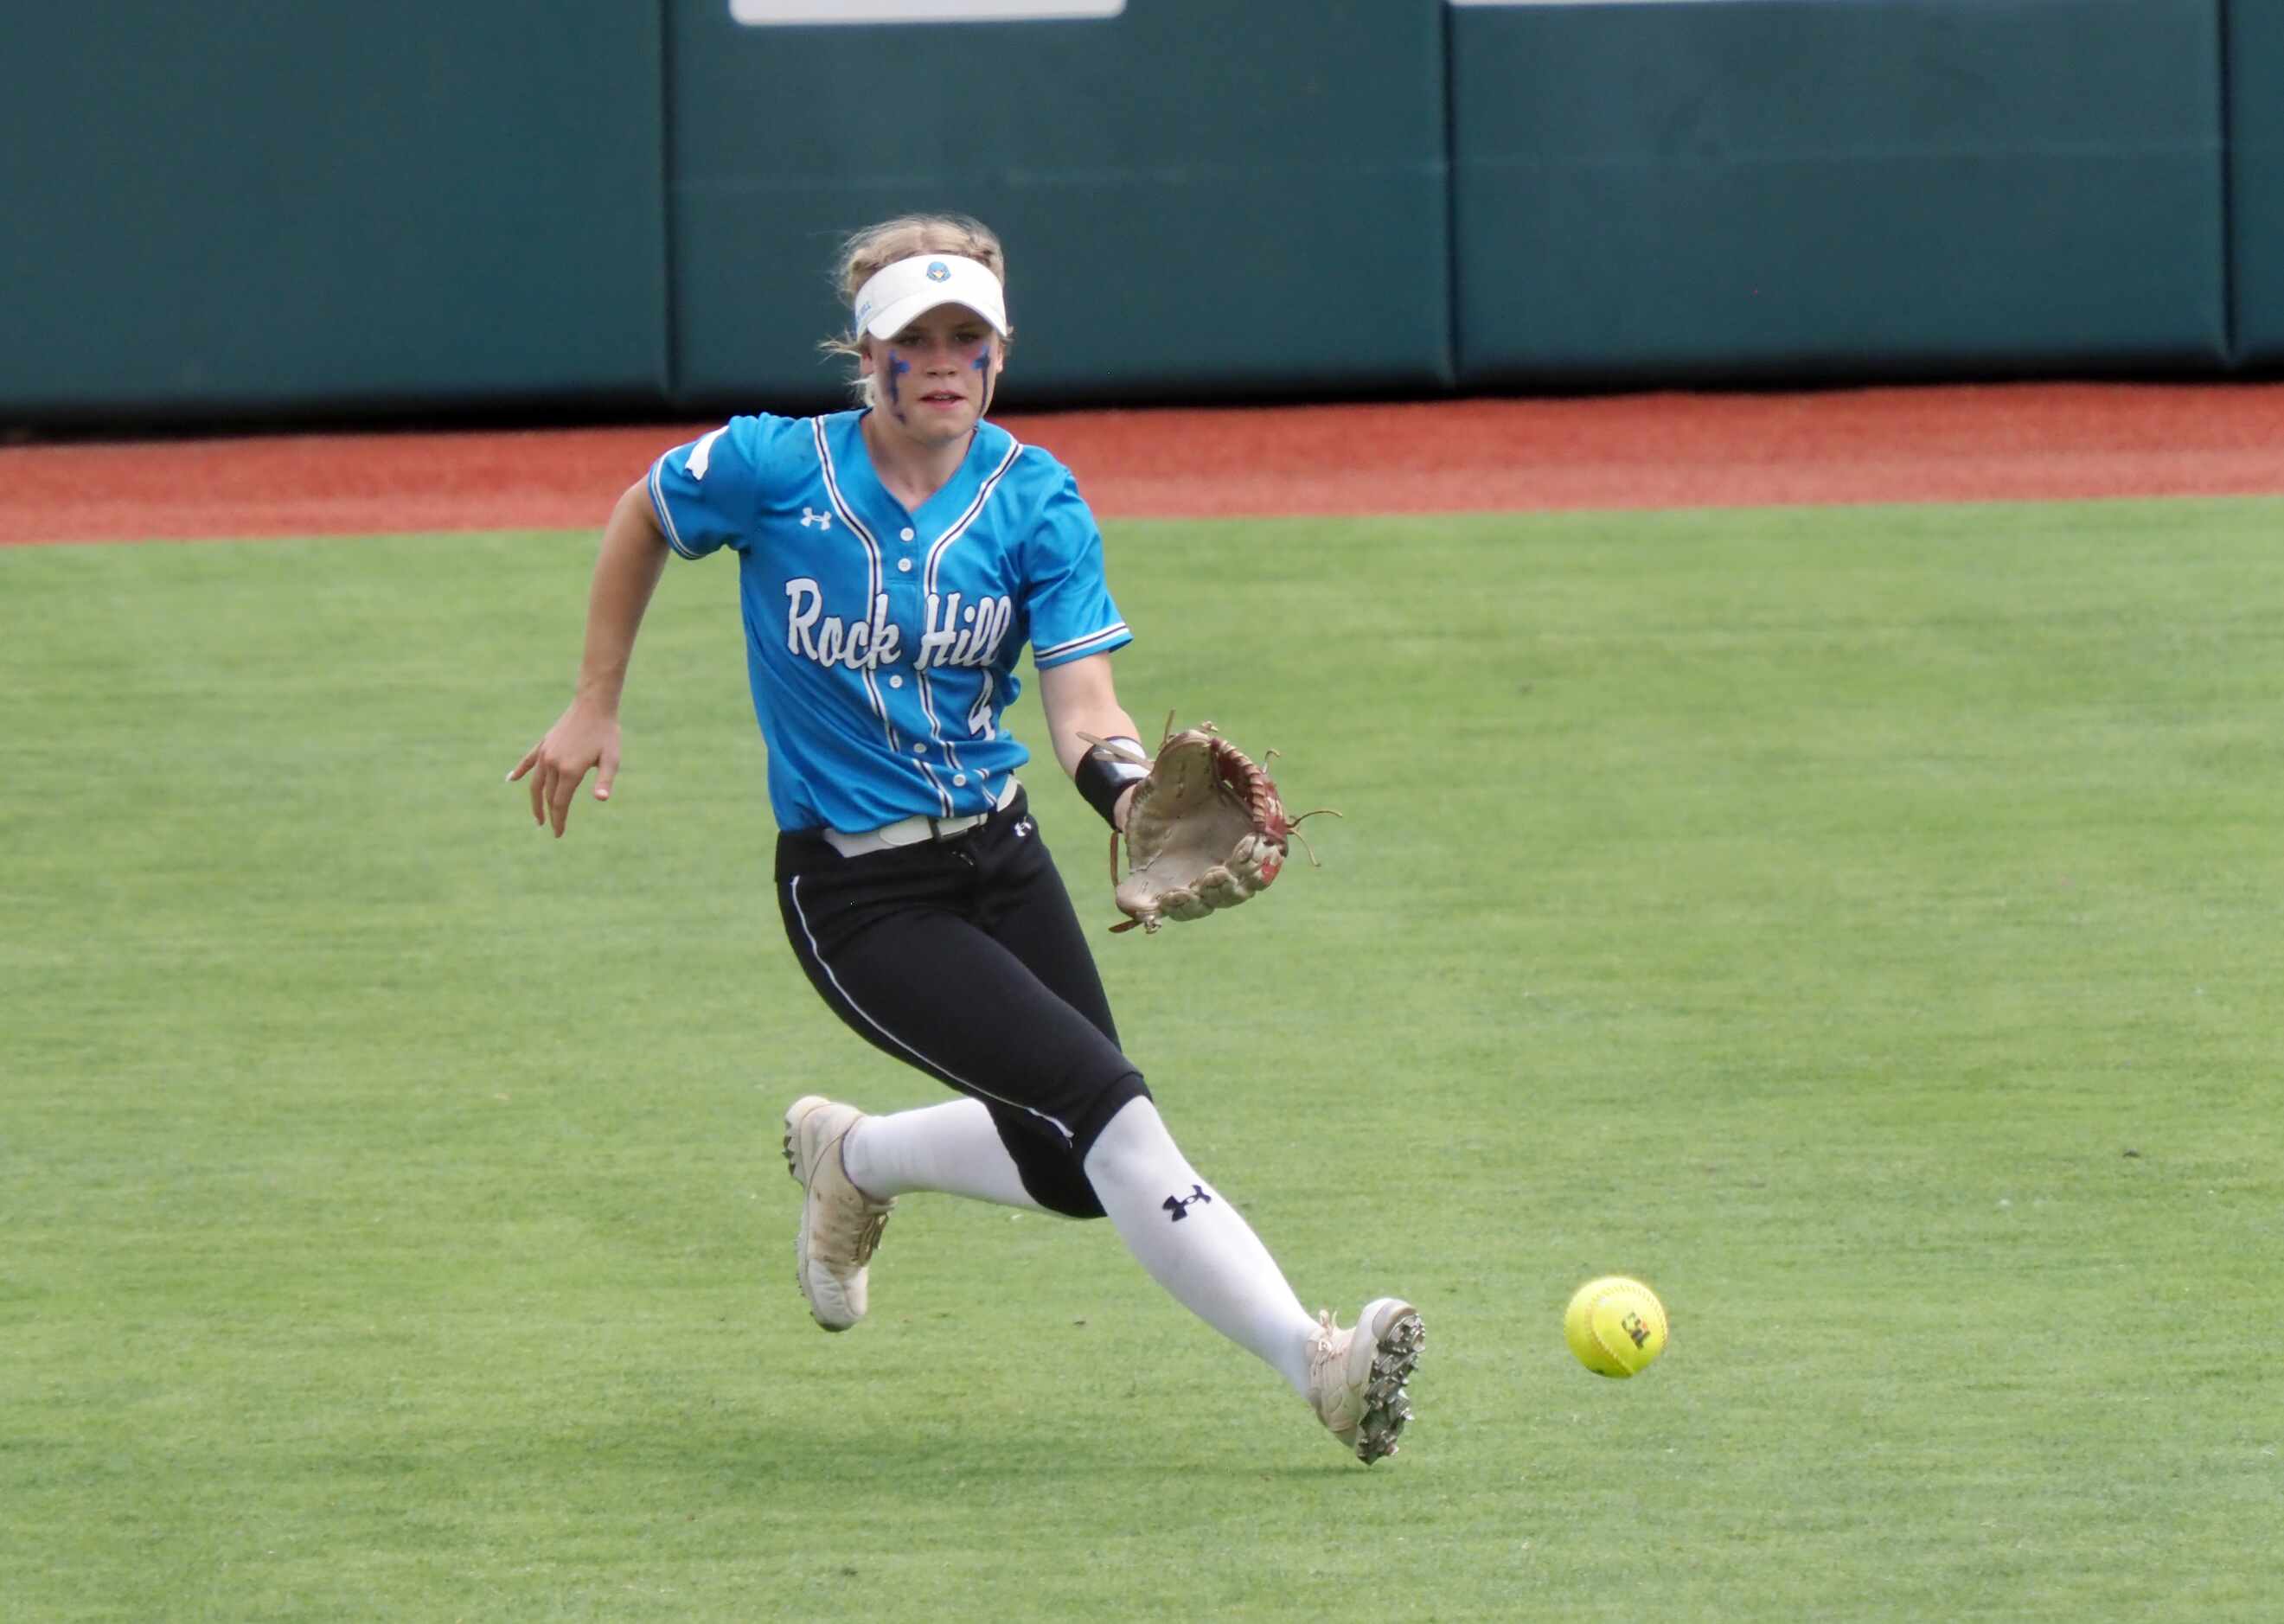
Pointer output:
792, 894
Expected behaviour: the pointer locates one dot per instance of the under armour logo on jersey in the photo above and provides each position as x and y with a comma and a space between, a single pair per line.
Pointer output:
810, 516
1024, 829
1179, 1205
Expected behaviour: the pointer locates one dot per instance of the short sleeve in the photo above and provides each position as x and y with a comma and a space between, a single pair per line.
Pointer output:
705, 493
1068, 600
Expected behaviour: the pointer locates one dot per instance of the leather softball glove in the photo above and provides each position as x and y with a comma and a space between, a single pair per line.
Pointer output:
1205, 830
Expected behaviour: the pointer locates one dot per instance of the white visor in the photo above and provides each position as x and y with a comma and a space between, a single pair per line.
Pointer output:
899, 293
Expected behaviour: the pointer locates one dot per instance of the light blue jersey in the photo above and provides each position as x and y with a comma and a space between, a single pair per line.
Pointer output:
881, 644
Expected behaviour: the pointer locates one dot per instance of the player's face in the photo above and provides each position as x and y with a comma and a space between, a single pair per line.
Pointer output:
935, 379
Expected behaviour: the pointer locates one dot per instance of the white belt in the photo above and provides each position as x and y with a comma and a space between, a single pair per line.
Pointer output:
914, 830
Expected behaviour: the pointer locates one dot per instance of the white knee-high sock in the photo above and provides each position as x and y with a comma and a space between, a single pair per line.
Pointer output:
954, 1148
1195, 1243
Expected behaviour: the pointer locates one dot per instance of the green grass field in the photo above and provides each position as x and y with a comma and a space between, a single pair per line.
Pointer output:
1861, 923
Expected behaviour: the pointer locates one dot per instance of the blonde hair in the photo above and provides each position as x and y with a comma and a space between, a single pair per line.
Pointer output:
869, 252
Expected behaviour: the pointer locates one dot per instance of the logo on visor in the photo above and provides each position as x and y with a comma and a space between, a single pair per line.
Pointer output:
938, 271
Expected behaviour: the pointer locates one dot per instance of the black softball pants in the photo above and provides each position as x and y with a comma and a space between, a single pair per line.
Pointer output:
962, 956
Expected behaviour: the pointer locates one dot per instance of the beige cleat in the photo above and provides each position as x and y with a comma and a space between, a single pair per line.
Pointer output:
1357, 1376
839, 1224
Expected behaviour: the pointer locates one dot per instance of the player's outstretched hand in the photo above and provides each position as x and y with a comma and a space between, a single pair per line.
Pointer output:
581, 739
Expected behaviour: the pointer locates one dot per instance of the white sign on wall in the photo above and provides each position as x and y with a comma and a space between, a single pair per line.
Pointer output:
779, 14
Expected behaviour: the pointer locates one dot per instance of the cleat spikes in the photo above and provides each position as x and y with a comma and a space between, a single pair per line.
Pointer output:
1357, 1376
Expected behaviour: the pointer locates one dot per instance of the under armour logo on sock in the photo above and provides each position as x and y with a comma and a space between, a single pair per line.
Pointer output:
1179, 1205
810, 516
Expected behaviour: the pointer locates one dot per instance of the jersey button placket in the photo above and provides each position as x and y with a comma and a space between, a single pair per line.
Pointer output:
906, 608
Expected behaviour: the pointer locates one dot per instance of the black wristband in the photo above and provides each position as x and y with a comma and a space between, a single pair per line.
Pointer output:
1102, 776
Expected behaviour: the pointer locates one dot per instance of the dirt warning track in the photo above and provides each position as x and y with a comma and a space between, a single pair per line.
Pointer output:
2001, 441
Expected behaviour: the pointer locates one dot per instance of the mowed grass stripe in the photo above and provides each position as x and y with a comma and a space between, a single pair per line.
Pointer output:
1859, 923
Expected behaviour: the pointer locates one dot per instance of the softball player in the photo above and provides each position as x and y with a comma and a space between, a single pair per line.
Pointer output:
893, 562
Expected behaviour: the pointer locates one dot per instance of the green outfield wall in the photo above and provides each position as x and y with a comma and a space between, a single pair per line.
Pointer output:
1198, 197
330, 209
631, 205
2256, 137
1776, 188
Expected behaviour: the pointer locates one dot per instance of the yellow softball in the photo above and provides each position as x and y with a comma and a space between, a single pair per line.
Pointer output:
1615, 1325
